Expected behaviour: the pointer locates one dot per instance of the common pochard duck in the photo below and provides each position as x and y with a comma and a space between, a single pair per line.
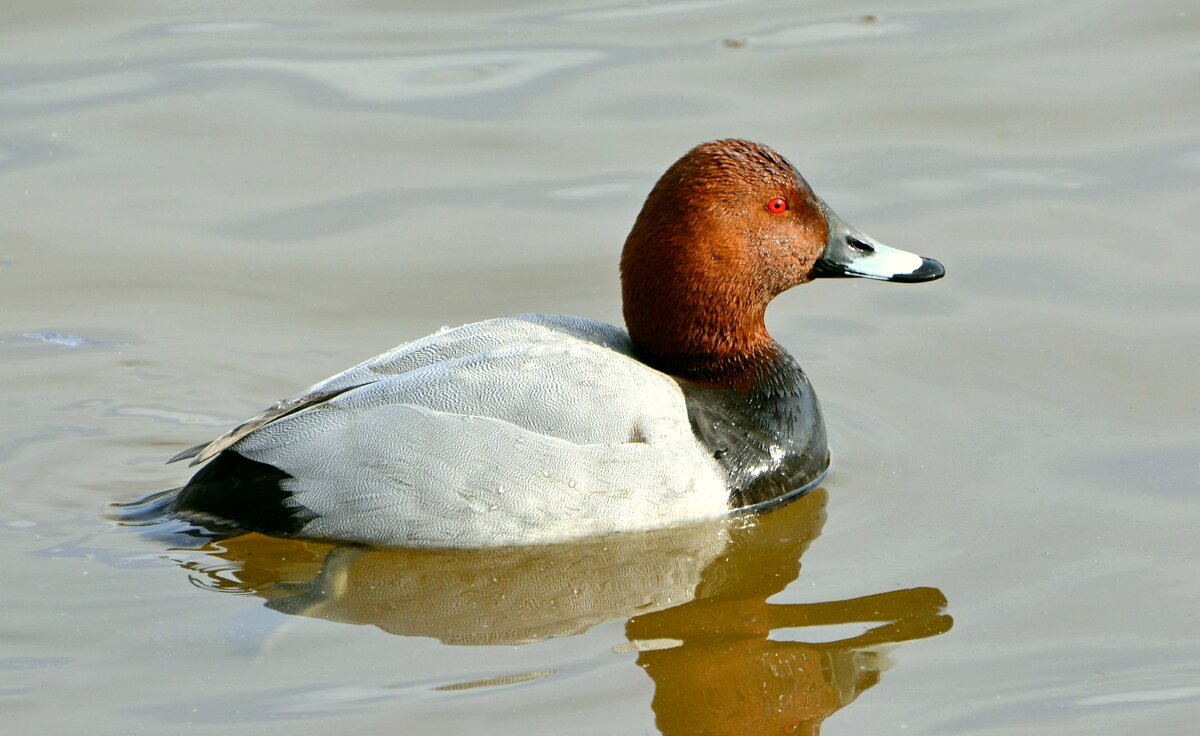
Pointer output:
540, 428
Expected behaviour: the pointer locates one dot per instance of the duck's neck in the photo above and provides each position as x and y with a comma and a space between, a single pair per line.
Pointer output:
709, 350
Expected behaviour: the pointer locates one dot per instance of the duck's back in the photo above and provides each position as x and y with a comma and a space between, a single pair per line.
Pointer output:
513, 430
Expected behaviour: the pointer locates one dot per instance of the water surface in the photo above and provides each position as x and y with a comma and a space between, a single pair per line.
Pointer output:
208, 208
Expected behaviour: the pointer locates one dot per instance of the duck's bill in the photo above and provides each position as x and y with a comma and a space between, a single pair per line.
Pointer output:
848, 252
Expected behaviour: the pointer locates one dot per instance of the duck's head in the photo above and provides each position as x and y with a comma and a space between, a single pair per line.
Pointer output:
728, 227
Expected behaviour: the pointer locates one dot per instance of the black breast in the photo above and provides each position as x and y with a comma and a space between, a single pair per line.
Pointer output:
770, 438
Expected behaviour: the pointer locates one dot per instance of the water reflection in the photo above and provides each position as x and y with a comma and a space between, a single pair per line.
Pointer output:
723, 659
734, 669
500, 596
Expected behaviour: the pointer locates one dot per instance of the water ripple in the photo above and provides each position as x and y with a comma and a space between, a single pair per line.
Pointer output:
391, 79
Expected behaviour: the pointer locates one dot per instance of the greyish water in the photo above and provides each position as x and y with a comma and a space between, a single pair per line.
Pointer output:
209, 206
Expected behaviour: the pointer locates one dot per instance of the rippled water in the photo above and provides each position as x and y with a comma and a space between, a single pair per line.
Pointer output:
207, 207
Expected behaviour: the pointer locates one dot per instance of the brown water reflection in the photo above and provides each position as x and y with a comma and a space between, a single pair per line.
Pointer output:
696, 597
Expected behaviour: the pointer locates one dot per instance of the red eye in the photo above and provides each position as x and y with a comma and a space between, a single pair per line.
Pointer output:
777, 206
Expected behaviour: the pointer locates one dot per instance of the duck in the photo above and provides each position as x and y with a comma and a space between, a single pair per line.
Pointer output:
544, 428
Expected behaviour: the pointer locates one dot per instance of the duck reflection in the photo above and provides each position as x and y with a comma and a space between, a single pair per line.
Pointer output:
723, 659
716, 669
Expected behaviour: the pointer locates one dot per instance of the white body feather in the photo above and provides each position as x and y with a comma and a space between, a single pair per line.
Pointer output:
514, 430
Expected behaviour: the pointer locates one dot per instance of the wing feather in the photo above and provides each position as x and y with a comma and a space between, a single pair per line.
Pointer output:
440, 347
